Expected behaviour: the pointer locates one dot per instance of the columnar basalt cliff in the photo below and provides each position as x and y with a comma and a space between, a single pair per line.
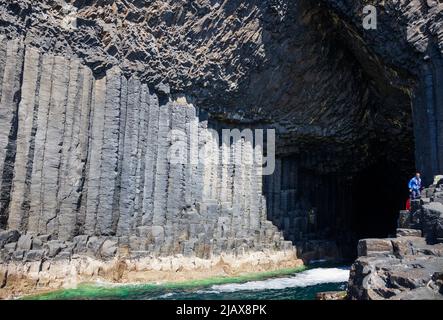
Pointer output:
87, 169
91, 91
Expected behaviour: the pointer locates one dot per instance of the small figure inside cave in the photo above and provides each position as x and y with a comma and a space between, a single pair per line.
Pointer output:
415, 186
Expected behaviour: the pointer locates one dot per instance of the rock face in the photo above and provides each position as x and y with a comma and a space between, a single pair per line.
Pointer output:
94, 95
93, 157
409, 37
296, 66
90, 165
407, 267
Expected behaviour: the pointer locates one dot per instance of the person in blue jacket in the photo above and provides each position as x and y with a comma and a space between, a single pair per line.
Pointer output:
415, 186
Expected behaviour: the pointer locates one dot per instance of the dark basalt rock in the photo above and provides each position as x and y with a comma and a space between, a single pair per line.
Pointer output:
406, 267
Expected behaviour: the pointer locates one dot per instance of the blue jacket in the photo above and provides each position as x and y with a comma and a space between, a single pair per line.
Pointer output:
415, 184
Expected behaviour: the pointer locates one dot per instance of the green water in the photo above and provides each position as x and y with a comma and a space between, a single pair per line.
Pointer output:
295, 284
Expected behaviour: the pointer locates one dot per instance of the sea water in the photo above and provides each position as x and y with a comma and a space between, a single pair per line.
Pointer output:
302, 285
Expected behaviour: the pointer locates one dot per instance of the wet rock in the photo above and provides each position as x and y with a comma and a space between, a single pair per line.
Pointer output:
331, 295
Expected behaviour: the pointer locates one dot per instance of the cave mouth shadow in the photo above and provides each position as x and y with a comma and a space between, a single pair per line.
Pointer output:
325, 215
378, 193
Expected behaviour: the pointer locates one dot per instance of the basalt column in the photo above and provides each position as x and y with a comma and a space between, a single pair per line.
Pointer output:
88, 159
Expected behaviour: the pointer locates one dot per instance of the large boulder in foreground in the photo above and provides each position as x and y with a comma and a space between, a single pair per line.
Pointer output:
432, 221
378, 278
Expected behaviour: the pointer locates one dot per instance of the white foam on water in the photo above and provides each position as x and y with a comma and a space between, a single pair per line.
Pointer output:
303, 279
166, 295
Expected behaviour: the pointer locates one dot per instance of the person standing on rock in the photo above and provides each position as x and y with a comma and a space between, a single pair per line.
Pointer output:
415, 186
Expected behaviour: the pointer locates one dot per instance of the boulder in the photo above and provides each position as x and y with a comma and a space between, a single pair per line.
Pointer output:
376, 278
406, 245
432, 221
368, 247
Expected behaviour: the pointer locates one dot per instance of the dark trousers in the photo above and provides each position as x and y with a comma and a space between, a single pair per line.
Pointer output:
415, 194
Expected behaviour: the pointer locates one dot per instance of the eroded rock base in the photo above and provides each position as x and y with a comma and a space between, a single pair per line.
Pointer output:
20, 278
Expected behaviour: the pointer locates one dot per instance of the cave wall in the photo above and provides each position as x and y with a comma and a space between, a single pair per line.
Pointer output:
339, 98
409, 41
93, 156
428, 116
312, 209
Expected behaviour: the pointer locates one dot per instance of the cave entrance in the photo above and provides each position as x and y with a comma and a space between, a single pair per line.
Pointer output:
378, 193
325, 215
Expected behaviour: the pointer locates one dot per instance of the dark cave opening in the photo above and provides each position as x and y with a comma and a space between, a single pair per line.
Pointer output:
378, 193
325, 215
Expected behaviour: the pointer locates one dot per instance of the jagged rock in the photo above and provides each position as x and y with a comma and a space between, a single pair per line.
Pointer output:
18, 255
404, 219
407, 245
89, 97
63, 256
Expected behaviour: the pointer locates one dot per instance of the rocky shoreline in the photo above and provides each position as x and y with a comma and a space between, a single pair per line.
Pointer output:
409, 266
18, 278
